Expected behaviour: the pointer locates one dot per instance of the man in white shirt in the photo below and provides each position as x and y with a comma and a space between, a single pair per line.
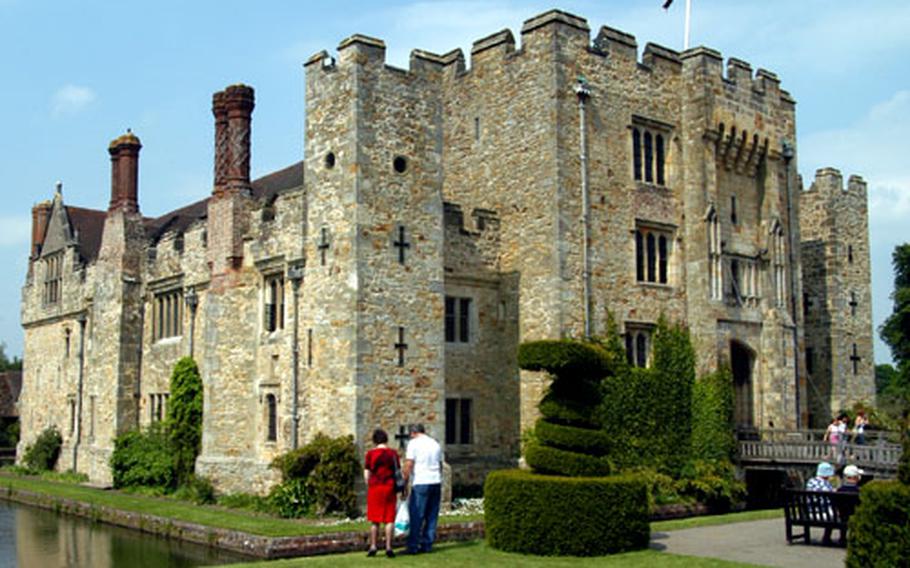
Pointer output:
423, 466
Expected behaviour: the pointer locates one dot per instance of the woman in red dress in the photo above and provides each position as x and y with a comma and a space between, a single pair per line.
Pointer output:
379, 475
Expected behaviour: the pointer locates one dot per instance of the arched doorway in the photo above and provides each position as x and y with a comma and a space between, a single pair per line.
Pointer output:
742, 361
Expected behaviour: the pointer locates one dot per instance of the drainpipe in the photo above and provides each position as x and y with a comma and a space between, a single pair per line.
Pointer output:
787, 153
295, 275
583, 93
82, 320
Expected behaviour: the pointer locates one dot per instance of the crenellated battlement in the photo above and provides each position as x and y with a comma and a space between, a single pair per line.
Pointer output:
614, 45
830, 181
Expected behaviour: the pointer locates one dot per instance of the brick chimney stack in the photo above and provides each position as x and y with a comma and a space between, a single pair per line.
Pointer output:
222, 146
233, 109
124, 152
41, 214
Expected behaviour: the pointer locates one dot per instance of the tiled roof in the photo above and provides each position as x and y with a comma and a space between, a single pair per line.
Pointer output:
88, 224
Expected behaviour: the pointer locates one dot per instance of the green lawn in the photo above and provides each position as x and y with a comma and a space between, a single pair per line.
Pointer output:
711, 520
477, 553
212, 516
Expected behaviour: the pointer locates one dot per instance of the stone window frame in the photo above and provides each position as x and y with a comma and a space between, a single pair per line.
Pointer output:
459, 321
649, 146
158, 406
53, 278
638, 338
715, 255
459, 421
71, 404
273, 301
273, 271
778, 249
745, 280
167, 313
270, 401
653, 253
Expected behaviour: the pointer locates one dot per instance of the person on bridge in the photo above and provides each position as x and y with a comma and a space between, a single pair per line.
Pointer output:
859, 427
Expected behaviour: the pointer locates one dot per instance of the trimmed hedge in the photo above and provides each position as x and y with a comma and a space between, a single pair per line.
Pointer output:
565, 412
565, 358
545, 515
593, 442
879, 532
549, 460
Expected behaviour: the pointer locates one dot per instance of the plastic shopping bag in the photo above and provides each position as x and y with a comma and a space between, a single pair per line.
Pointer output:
402, 519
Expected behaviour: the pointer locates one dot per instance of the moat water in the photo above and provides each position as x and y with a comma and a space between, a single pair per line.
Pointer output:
36, 538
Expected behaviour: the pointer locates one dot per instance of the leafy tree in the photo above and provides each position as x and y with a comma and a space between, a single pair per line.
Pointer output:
7, 364
184, 417
896, 333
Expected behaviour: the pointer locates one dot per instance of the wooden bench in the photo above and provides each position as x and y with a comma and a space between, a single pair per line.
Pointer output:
821, 509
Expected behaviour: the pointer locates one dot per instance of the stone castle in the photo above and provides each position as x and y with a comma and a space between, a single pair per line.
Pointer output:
441, 215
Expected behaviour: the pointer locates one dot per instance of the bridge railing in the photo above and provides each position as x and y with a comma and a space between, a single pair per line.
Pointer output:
806, 447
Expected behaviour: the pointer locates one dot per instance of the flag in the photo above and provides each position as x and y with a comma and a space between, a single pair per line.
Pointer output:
667, 4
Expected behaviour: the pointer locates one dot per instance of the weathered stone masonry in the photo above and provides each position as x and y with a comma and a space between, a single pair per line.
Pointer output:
436, 217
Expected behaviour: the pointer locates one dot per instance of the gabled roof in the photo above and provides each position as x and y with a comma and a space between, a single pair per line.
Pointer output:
87, 226
264, 189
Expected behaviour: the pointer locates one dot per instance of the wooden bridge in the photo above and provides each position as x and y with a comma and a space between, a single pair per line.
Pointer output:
792, 449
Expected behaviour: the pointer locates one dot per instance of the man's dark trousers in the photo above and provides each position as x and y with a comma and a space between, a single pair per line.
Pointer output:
423, 507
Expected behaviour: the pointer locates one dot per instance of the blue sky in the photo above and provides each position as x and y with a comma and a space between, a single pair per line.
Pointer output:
77, 74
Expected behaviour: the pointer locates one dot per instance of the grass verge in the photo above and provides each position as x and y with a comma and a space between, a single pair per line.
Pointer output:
712, 520
477, 553
212, 516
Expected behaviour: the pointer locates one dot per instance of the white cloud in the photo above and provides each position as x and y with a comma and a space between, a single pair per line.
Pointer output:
875, 147
15, 230
72, 98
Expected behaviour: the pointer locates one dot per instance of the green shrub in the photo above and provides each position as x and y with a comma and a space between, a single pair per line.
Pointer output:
184, 418
713, 483
549, 460
879, 532
538, 514
565, 358
713, 436
43, 453
198, 490
143, 458
662, 489
329, 467
292, 499
903, 466
584, 440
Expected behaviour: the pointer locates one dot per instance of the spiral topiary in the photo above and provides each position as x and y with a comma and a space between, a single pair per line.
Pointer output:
567, 438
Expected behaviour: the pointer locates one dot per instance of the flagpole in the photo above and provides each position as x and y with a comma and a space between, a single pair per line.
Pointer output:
688, 19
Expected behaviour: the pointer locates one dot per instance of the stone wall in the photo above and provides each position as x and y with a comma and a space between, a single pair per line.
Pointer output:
835, 225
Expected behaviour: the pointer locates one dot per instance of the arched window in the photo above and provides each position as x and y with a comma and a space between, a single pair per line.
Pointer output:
649, 158
272, 417
733, 209
652, 257
630, 349
662, 257
659, 147
636, 153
